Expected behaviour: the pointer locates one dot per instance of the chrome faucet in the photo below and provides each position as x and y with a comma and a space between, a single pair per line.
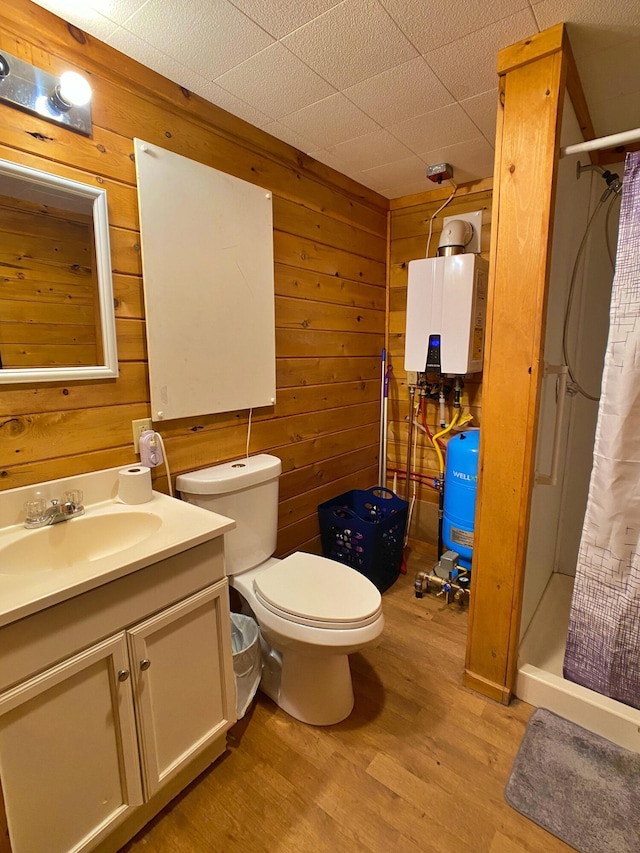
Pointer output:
41, 515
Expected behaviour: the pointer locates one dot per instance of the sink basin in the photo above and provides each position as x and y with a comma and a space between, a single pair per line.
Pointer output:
47, 565
79, 540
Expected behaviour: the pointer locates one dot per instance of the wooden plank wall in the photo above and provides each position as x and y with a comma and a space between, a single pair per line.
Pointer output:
409, 232
48, 287
330, 251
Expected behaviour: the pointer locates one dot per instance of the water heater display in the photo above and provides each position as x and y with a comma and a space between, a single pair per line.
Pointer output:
433, 353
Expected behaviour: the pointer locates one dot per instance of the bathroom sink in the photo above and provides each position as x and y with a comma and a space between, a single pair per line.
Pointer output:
43, 566
80, 540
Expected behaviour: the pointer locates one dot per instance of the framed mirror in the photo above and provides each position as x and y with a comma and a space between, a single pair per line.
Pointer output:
57, 318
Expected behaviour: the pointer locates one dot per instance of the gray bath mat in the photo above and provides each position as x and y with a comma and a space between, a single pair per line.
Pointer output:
577, 785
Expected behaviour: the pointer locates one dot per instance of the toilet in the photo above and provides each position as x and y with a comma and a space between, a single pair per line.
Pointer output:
312, 612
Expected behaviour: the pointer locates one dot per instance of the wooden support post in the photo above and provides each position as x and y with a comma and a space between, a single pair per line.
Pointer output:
532, 85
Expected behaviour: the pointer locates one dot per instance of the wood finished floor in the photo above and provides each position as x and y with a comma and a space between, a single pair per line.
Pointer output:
420, 765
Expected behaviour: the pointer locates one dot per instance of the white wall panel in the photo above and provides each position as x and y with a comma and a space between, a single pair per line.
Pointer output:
207, 254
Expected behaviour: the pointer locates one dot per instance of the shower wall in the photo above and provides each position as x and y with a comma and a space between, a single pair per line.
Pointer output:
558, 510
593, 311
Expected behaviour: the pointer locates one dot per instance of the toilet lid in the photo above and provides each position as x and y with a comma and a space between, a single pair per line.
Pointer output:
316, 591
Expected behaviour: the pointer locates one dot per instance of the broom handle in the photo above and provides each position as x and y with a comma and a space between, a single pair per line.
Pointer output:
382, 450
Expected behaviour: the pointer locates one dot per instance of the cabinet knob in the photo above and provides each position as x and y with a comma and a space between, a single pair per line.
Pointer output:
123, 675
145, 664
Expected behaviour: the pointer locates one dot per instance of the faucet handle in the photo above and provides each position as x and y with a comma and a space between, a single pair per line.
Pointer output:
72, 502
73, 496
35, 508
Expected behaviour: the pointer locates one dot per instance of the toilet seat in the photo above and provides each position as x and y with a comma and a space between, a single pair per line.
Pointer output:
318, 592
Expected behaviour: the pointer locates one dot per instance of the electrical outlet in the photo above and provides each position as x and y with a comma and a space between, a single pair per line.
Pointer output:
138, 427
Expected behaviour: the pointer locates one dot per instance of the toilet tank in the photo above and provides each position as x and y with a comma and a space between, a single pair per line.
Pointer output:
247, 491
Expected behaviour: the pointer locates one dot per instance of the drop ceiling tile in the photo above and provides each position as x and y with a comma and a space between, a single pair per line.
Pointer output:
275, 81
400, 93
137, 49
116, 10
324, 156
330, 121
403, 189
402, 171
436, 129
367, 180
289, 136
592, 26
482, 110
431, 25
471, 160
90, 20
467, 66
217, 95
351, 42
372, 149
212, 38
280, 17
132, 46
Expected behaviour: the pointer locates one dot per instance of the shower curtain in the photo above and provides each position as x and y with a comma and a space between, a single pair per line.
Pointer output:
603, 644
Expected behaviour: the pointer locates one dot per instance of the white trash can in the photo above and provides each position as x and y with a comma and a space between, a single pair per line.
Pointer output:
247, 659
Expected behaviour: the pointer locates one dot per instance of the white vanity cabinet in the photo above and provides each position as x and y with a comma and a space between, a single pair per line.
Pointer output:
68, 752
129, 693
178, 665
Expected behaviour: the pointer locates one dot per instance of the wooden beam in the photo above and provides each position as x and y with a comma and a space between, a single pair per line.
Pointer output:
531, 49
428, 196
608, 156
527, 151
578, 99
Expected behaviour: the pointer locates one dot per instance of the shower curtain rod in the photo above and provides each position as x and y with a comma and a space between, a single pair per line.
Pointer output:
603, 142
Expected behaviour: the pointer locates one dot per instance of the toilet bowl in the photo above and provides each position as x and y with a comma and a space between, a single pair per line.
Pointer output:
312, 612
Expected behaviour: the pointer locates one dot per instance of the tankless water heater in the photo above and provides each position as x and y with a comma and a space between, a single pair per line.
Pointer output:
446, 314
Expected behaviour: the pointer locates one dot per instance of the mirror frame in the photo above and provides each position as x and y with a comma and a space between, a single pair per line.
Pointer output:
98, 197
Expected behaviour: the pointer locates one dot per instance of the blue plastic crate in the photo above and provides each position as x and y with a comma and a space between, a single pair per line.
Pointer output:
364, 529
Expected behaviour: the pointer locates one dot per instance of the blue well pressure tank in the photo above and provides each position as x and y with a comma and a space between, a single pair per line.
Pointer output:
460, 484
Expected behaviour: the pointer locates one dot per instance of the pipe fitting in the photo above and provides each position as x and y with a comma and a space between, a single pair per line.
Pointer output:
456, 234
450, 590
420, 584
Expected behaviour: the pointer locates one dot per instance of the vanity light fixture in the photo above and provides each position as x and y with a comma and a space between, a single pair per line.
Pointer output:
65, 100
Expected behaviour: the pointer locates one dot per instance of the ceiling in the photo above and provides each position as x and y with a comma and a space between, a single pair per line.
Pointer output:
377, 89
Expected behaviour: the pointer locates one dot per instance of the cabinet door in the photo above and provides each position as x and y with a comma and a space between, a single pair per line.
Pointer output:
184, 687
68, 752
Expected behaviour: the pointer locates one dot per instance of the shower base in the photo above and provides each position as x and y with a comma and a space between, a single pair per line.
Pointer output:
540, 681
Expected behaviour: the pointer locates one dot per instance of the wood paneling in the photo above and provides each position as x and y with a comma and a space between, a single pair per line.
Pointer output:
48, 287
409, 231
291, 281
330, 247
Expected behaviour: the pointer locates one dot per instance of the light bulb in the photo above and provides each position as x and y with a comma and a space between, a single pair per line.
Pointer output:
74, 89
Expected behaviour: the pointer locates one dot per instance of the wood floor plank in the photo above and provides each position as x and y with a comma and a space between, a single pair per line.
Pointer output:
420, 765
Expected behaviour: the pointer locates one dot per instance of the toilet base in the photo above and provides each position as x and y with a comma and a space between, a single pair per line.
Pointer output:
315, 690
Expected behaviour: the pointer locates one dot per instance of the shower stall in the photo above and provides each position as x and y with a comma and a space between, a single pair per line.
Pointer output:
565, 443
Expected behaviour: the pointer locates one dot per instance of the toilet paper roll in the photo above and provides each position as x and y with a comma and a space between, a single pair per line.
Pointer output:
134, 485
